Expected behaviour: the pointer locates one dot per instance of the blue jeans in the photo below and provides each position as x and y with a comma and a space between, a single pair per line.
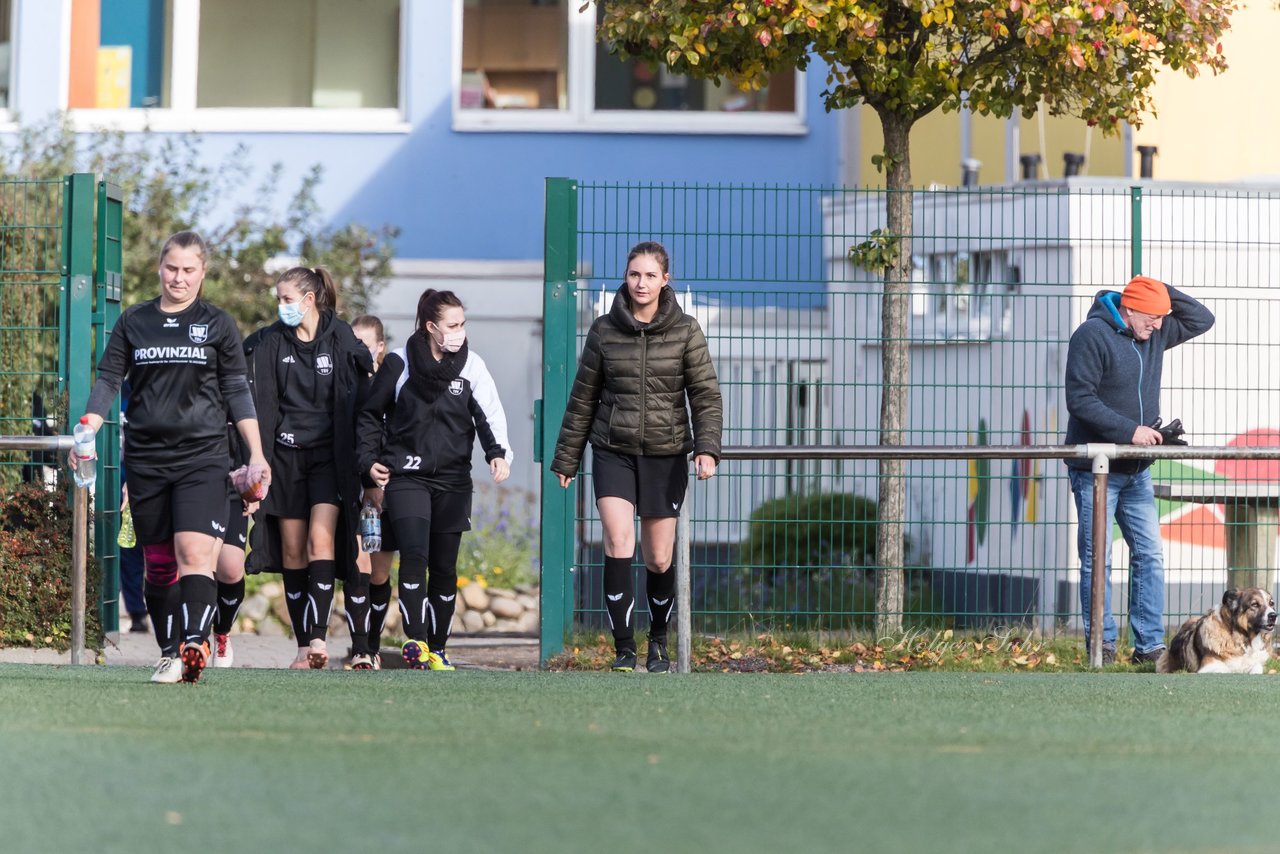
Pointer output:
1132, 504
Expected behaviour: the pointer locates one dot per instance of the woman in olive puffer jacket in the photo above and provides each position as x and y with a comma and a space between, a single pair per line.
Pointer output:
640, 364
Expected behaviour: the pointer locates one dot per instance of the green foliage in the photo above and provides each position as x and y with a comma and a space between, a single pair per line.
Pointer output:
1095, 60
35, 571
501, 549
170, 185
817, 530
877, 253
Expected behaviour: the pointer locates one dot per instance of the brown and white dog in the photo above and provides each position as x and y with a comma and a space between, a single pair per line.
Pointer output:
1232, 638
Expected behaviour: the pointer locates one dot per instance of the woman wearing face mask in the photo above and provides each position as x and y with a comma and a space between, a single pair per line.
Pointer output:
429, 402
377, 565
308, 371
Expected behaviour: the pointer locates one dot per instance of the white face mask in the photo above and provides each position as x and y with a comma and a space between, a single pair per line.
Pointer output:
451, 342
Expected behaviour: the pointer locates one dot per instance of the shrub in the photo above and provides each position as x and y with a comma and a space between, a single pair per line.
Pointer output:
810, 562
501, 549
35, 571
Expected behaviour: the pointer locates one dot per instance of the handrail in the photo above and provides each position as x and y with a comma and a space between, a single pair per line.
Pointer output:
79, 531
1101, 455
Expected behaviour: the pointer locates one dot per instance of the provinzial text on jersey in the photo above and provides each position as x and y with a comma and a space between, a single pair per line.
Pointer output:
169, 354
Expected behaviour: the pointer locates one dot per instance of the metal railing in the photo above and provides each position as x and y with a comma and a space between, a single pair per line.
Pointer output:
1101, 455
79, 531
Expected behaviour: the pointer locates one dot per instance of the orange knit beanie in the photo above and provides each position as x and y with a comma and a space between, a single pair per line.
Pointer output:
1147, 295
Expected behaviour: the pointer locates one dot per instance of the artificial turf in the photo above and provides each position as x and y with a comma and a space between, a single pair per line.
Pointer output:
99, 759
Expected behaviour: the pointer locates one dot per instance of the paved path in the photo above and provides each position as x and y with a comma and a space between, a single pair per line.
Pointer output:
139, 650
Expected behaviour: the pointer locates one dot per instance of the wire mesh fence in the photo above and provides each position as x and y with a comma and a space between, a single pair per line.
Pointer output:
1000, 279
31, 219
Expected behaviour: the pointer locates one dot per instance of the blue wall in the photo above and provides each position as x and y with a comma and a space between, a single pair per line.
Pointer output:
467, 195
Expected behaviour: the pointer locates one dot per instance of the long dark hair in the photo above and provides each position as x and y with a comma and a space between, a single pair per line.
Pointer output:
432, 303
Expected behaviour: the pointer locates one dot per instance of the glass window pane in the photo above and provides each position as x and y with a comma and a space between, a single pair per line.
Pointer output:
632, 85
6, 50
334, 54
119, 53
514, 55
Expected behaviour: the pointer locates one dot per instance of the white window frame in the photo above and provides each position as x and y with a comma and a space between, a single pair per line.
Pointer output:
581, 115
182, 114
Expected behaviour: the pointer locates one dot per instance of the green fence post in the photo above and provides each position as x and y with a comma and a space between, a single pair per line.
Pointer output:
559, 362
1135, 230
77, 292
109, 285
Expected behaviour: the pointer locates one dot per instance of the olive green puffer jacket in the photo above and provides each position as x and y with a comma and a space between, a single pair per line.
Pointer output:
629, 394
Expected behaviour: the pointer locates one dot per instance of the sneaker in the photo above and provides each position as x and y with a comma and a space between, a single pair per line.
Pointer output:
625, 662
1108, 654
377, 660
657, 661
318, 655
195, 657
223, 655
138, 623
300, 661
415, 654
362, 661
1151, 656
436, 660
168, 671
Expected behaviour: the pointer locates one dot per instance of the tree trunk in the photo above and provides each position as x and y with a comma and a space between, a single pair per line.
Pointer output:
895, 374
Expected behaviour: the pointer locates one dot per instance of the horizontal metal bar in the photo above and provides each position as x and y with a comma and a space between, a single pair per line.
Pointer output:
36, 443
996, 452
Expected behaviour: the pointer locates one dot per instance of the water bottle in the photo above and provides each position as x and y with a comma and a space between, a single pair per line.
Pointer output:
370, 528
128, 537
85, 453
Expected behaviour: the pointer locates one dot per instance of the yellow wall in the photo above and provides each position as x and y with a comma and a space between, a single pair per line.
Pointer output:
935, 148
1221, 128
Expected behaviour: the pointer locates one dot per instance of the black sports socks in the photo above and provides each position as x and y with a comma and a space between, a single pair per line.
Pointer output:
295, 599
322, 575
660, 588
199, 602
379, 599
355, 592
620, 601
164, 602
230, 597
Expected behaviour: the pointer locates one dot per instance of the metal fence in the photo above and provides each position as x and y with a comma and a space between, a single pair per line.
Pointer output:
60, 289
1000, 279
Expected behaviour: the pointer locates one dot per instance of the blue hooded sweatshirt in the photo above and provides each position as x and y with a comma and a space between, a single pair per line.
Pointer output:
1113, 380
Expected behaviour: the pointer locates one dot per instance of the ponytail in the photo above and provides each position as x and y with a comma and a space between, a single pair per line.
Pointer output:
432, 303
313, 280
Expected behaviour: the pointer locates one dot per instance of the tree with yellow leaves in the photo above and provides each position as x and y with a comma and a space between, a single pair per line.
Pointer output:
905, 59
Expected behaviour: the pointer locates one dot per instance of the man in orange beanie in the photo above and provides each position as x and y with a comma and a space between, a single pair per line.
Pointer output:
1114, 366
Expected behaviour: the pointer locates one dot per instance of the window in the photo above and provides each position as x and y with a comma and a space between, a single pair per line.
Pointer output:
288, 60
535, 65
963, 295
6, 50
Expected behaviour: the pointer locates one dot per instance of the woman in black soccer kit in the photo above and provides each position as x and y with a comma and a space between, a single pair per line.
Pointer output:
307, 372
368, 328
184, 363
430, 401
639, 364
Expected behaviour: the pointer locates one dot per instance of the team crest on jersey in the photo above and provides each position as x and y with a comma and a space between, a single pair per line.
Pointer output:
455, 387
198, 333
324, 364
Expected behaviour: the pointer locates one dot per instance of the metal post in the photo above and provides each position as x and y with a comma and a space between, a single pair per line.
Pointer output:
559, 358
79, 556
684, 604
1097, 588
1135, 231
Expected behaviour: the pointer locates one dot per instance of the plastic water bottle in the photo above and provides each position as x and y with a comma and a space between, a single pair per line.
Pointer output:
370, 528
85, 453
128, 537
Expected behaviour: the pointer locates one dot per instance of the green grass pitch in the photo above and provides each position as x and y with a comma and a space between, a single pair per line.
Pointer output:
99, 759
